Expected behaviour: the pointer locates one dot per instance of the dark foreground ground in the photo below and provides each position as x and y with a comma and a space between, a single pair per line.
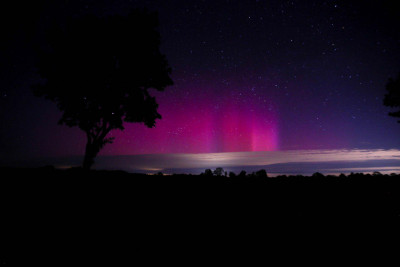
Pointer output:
52, 217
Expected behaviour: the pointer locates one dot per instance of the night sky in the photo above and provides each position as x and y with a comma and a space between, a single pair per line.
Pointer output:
248, 76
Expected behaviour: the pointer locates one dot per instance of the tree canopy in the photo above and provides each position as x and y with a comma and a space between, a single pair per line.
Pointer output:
98, 70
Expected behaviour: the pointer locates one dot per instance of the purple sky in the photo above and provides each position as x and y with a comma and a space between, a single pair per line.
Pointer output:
249, 76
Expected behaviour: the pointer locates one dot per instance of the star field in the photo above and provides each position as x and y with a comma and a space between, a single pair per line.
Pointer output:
249, 76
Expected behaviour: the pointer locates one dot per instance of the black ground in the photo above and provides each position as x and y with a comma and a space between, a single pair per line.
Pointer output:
54, 217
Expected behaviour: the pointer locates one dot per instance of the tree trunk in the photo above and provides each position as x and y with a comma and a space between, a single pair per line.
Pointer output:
94, 144
92, 148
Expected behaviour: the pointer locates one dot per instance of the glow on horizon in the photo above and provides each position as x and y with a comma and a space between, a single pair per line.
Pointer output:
262, 158
326, 161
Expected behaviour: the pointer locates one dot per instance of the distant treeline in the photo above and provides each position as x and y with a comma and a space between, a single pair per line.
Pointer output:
356, 195
75, 172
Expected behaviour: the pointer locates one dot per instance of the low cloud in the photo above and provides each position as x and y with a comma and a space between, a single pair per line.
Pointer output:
303, 162
291, 161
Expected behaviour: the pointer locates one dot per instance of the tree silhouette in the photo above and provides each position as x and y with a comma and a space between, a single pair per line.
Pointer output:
208, 172
262, 173
219, 171
99, 72
392, 98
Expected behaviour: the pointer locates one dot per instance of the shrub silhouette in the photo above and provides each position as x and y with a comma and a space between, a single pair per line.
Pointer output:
98, 72
208, 172
262, 173
317, 175
219, 171
392, 98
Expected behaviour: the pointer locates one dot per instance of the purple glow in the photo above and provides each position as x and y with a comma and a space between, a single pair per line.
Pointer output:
200, 123
257, 76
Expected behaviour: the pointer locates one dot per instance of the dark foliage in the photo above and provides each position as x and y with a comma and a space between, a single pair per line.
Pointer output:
392, 98
208, 172
219, 171
99, 71
262, 173
242, 173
